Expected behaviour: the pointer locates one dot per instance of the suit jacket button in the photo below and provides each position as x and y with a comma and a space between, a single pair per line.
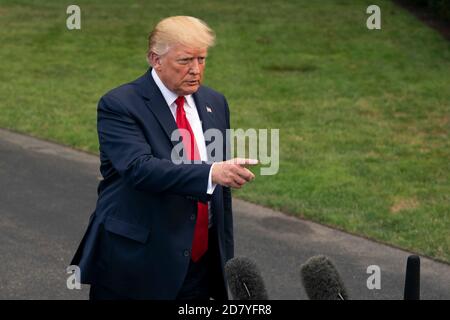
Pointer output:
192, 216
186, 253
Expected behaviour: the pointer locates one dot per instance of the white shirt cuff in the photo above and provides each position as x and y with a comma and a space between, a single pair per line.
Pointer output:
211, 186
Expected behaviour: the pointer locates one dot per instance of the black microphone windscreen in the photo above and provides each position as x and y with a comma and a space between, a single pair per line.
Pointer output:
321, 280
412, 278
244, 280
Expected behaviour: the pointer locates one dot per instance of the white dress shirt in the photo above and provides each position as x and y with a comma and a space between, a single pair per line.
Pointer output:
194, 121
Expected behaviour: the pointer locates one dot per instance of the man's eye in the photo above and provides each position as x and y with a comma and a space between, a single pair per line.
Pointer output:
201, 60
183, 61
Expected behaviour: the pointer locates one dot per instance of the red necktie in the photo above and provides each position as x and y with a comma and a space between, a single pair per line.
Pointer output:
200, 242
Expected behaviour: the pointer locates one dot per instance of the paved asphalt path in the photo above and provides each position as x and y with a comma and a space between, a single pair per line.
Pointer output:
47, 193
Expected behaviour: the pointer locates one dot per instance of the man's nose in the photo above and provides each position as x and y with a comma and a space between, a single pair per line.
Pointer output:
195, 67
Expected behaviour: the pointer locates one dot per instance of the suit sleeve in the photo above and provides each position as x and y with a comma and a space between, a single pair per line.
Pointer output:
123, 142
228, 211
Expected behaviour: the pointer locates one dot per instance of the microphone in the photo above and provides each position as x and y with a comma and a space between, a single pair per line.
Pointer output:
321, 280
412, 279
244, 280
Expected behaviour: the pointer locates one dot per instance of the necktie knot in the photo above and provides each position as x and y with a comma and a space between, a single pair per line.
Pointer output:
180, 102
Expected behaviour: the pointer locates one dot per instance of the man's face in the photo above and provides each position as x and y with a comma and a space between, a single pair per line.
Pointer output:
181, 68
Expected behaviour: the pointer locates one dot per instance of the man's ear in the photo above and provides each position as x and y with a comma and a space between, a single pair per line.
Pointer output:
154, 60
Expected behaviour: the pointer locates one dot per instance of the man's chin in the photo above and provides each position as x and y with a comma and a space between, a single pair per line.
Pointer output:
190, 89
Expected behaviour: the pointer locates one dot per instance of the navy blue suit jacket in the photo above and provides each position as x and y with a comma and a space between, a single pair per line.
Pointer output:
139, 237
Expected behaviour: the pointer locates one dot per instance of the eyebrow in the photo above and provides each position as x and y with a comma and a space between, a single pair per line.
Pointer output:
192, 57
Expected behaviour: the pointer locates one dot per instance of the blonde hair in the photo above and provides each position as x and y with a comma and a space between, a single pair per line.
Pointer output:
184, 30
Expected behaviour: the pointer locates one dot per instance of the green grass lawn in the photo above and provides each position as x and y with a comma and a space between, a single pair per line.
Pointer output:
364, 116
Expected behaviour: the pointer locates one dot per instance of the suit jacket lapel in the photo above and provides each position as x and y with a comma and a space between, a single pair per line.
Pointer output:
155, 101
206, 117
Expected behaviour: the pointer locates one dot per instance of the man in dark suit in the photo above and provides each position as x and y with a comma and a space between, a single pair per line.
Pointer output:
163, 230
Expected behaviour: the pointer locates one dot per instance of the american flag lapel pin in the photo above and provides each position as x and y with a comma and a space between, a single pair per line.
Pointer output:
208, 109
